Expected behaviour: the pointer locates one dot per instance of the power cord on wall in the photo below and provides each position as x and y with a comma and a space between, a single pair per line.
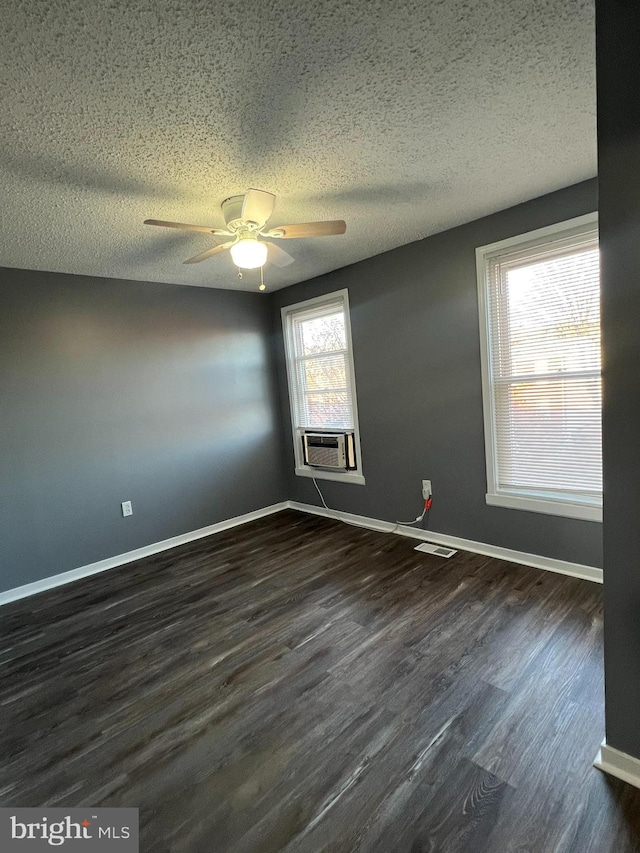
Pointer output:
425, 513
324, 504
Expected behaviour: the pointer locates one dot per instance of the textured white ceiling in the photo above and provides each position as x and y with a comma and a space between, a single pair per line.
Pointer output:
404, 118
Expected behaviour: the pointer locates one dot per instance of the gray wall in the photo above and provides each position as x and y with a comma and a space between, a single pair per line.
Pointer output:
618, 37
414, 317
116, 390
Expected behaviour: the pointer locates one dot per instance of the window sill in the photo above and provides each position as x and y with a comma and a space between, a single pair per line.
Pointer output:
567, 509
338, 476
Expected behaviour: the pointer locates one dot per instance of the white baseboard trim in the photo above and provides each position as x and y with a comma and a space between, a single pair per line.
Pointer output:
618, 764
146, 551
576, 570
547, 563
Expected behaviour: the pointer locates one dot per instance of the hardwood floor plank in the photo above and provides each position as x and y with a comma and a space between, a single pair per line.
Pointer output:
461, 817
312, 687
541, 698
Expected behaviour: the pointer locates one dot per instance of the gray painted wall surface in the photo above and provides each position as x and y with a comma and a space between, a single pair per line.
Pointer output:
116, 390
414, 317
618, 37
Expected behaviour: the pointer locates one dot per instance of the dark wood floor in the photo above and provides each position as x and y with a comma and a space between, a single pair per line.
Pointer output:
301, 685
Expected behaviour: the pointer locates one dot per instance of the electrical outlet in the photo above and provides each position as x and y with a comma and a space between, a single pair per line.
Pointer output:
426, 489
127, 508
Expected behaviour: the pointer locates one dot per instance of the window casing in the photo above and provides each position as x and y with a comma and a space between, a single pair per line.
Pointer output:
539, 300
320, 373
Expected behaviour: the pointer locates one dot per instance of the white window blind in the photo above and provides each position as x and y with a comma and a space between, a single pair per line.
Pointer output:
542, 305
319, 366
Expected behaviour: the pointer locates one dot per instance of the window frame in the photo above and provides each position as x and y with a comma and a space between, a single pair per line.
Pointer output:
584, 507
301, 469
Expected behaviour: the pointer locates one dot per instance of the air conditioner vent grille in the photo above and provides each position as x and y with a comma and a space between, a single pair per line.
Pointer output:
325, 456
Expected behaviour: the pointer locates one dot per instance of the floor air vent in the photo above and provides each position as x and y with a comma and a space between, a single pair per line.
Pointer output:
438, 550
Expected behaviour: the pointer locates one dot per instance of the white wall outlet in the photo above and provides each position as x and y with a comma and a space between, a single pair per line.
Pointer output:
426, 489
127, 508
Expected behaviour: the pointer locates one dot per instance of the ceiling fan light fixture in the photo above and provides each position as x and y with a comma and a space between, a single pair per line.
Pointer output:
248, 253
246, 217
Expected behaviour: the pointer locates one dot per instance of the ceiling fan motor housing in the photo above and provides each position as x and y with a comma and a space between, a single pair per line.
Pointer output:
232, 211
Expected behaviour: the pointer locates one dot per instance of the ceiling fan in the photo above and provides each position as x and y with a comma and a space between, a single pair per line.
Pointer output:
245, 217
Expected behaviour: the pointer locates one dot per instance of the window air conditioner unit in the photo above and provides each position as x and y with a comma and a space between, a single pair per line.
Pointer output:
335, 450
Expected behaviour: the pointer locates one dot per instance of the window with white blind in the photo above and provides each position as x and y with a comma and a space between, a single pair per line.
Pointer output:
539, 297
322, 392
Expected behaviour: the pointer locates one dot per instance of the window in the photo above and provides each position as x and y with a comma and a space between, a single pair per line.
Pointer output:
539, 298
322, 392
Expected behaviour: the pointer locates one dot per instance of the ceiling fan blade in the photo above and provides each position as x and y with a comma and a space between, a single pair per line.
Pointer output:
309, 229
208, 254
278, 256
258, 206
204, 228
